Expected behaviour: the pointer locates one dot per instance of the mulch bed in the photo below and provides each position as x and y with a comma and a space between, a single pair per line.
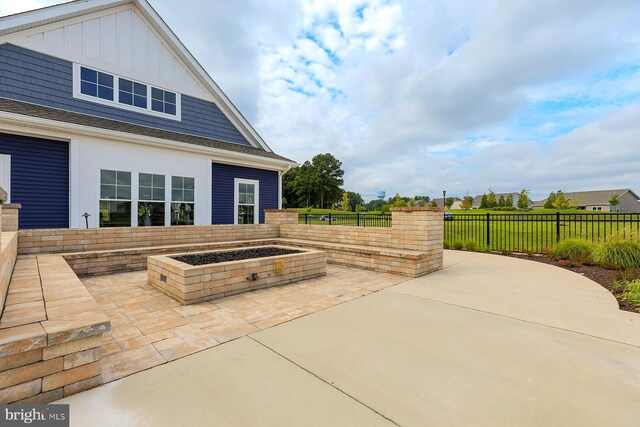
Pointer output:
603, 276
217, 257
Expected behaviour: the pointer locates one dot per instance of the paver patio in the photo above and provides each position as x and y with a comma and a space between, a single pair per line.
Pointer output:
149, 328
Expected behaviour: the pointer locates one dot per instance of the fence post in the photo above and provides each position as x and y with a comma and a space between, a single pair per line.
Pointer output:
306, 218
557, 227
358, 214
329, 219
488, 230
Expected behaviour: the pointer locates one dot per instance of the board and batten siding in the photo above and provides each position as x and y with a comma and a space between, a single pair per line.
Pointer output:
33, 77
39, 180
222, 190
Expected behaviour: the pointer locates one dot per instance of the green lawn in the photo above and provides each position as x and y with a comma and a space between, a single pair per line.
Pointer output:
534, 233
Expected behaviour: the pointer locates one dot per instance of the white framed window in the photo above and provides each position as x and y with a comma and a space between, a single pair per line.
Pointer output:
183, 200
246, 201
115, 198
5, 175
151, 200
110, 89
596, 208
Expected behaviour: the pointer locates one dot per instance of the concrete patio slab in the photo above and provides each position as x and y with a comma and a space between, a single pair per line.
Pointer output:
241, 383
530, 291
420, 362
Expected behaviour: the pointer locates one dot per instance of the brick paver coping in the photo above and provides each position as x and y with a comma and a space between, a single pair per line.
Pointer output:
50, 333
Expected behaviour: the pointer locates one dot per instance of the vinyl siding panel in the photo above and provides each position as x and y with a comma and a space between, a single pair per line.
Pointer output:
39, 180
36, 78
222, 190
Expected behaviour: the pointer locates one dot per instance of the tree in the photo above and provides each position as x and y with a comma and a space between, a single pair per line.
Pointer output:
298, 186
614, 201
523, 199
467, 202
561, 201
433, 204
374, 205
548, 204
284, 202
355, 199
501, 201
360, 208
449, 202
399, 202
328, 177
484, 202
345, 201
422, 200
491, 200
509, 201
315, 183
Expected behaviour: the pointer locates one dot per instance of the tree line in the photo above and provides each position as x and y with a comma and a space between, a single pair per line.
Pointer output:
318, 184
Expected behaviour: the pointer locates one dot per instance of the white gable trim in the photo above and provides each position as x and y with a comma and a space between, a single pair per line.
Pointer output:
40, 17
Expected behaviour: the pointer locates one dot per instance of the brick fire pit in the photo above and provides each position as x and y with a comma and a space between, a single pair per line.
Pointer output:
189, 284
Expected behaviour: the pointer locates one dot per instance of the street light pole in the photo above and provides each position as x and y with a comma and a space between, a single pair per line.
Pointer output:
444, 199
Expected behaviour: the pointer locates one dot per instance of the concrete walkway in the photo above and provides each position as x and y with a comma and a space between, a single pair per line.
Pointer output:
489, 340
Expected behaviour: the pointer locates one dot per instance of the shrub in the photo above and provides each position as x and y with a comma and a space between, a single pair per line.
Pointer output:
470, 245
457, 244
573, 250
446, 245
631, 292
621, 250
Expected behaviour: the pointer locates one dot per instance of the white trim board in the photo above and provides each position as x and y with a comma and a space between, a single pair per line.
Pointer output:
52, 129
5, 175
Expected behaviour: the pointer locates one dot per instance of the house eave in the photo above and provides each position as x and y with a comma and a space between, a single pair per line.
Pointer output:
12, 122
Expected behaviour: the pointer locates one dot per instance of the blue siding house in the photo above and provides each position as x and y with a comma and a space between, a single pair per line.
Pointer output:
103, 112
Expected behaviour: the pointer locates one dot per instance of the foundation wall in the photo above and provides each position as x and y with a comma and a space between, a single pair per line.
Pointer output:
100, 239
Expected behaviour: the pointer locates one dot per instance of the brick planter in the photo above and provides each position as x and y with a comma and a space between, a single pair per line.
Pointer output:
190, 284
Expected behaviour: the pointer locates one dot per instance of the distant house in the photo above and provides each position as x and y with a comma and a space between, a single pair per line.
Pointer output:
478, 199
457, 203
599, 200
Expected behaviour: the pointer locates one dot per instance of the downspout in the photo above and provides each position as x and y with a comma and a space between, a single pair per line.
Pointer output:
280, 173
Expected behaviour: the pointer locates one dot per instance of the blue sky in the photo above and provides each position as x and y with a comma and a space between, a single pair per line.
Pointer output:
418, 97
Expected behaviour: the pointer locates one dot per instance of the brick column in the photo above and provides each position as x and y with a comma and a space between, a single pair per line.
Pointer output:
417, 228
280, 216
10, 216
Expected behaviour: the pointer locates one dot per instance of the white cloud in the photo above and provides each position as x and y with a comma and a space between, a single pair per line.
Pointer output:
416, 97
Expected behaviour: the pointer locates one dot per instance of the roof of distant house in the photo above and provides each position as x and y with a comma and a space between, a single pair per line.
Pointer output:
594, 197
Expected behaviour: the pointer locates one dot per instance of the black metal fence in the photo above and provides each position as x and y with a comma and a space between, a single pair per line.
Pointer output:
505, 232
357, 219
534, 232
